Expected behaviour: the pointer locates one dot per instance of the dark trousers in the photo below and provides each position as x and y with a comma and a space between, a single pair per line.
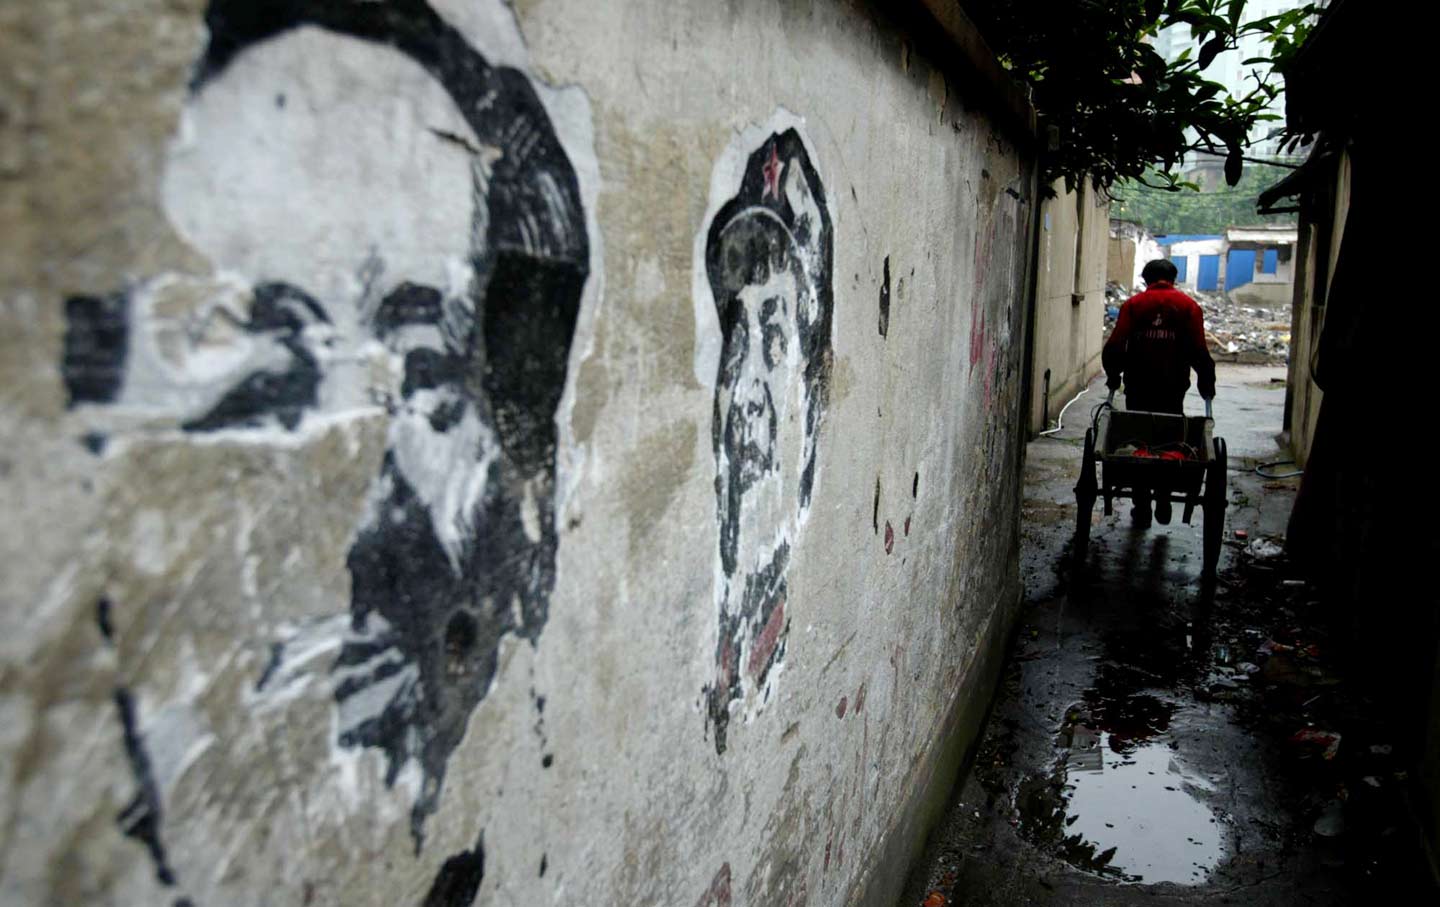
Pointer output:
1152, 402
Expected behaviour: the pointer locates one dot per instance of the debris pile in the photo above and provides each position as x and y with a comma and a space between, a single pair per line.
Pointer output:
1247, 332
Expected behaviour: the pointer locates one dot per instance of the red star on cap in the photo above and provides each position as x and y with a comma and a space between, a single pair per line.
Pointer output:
772, 170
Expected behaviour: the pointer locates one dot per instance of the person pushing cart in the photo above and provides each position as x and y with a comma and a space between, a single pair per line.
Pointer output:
1158, 338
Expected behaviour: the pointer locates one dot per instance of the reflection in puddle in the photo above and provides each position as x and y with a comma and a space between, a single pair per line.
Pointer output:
1120, 803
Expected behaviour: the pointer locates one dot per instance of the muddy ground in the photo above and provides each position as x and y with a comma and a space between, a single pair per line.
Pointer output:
1162, 740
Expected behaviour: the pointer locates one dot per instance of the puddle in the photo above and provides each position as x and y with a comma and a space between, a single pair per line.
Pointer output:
1119, 802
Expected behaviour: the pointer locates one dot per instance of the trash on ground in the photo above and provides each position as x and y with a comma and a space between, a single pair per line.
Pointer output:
1265, 549
1313, 739
1331, 823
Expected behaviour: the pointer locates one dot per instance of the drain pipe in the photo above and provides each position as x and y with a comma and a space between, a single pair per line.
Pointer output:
1060, 420
1045, 401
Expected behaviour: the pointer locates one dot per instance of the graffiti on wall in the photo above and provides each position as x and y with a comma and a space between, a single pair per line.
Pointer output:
767, 269
471, 287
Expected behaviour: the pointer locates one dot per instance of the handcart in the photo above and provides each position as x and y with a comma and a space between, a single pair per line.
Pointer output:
1174, 456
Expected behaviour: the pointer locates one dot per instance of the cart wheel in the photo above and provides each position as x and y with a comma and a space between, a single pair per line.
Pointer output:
1085, 496
1214, 504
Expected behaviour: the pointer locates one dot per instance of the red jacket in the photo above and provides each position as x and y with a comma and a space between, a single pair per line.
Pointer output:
1158, 338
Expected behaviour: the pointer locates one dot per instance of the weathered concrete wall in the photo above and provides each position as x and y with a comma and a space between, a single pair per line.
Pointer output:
1131, 248
1269, 294
1316, 256
1069, 298
551, 454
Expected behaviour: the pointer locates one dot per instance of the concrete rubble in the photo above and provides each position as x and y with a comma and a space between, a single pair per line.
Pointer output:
1251, 335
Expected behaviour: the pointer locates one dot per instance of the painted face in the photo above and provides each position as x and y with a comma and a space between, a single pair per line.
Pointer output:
755, 376
439, 222
759, 398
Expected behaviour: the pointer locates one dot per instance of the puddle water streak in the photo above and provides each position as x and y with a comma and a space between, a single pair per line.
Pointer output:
1120, 803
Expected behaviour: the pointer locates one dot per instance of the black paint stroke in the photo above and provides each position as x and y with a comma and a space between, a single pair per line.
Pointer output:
765, 590
875, 511
104, 620
885, 301
282, 312
458, 881
97, 340
141, 818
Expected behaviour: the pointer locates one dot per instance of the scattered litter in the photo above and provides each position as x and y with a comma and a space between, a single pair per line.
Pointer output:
1271, 647
1249, 331
1382, 749
934, 899
1331, 823
1328, 742
1248, 667
1265, 549
1292, 583
1371, 780
1241, 534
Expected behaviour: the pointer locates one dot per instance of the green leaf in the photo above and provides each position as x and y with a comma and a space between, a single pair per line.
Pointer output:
1209, 49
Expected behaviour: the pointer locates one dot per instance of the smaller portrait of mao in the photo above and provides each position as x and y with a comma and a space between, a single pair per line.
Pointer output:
767, 268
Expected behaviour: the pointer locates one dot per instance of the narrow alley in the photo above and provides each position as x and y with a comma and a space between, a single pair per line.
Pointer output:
1156, 740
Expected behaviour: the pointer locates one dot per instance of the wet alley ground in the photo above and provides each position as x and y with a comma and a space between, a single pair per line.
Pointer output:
1160, 740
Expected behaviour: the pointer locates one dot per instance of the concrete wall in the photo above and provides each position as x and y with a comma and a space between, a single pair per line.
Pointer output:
1191, 251
1131, 247
560, 453
1069, 298
1315, 258
1269, 294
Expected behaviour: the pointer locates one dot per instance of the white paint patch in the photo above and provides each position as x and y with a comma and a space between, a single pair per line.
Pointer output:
449, 470
149, 542
265, 179
306, 654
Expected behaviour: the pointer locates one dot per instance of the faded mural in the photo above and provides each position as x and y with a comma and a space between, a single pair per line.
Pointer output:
767, 269
377, 128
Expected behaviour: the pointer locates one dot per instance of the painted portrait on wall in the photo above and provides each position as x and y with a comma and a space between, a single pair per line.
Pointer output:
767, 272
369, 186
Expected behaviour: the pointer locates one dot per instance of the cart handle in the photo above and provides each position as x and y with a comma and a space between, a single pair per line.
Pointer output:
1209, 413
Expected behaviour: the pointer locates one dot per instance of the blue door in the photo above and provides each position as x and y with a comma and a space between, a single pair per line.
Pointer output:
1270, 262
1209, 278
1182, 265
1240, 269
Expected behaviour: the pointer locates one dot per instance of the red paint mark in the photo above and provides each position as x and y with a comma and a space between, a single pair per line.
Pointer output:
860, 698
718, 894
977, 336
840, 708
989, 371
767, 640
889, 537
772, 169
907, 527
